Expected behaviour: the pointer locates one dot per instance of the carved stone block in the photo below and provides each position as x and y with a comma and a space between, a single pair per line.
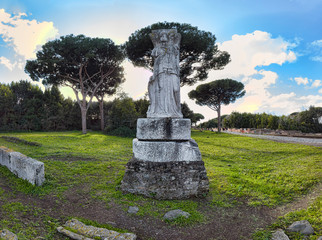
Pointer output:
163, 129
160, 151
24, 167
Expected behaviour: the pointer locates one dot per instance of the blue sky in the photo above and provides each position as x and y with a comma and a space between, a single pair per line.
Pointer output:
275, 46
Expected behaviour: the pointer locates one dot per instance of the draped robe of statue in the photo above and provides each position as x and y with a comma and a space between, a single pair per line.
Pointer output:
164, 85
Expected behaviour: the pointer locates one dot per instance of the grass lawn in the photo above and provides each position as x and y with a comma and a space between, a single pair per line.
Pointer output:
241, 171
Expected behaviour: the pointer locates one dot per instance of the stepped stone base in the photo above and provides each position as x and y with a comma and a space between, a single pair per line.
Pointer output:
166, 180
166, 162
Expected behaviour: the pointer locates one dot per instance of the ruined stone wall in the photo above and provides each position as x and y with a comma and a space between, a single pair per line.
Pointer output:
24, 167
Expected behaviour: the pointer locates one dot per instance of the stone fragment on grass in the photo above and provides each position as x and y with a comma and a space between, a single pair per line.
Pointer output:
173, 214
22, 166
133, 210
7, 235
72, 235
303, 227
94, 232
319, 238
279, 235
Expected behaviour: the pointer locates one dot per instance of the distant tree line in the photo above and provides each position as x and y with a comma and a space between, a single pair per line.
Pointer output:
91, 67
25, 107
306, 121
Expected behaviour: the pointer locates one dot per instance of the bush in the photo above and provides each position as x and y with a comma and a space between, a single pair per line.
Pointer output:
121, 132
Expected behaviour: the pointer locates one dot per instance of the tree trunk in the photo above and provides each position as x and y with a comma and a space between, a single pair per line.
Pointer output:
84, 113
219, 119
102, 114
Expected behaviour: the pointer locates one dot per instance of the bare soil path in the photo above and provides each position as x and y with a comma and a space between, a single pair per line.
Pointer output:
317, 142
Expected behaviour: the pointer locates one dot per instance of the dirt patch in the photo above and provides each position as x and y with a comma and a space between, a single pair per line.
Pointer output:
18, 140
299, 203
68, 158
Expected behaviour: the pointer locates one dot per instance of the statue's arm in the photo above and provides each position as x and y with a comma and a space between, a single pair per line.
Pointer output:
176, 50
177, 40
154, 52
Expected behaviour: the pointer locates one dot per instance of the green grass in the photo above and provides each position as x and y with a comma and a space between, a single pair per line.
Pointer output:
72, 158
240, 170
28, 222
260, 171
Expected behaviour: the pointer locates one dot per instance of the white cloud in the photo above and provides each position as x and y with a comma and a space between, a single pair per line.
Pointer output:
5, 61
317, 43
301, 80
312, 100
22, 38
317, 83
137, 79
280, 103
258, 85
255, 49
24, 35
248, 53
317, 58
316, 50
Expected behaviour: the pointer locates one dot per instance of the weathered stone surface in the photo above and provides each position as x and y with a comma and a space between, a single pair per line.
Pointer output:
319, 238
163, 129
279, 235
72, 235
24, 167
166, 180
7, 235
164, 85
91, 232
166, 162
133, 210
173, 214
303, 227
159, 151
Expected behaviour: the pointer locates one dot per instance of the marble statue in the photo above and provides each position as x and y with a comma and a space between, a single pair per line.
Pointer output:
166, 162
164, 85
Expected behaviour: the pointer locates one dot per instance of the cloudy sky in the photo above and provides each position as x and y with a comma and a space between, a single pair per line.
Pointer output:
275, 46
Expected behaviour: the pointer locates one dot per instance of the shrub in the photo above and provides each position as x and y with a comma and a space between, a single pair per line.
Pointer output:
121, 132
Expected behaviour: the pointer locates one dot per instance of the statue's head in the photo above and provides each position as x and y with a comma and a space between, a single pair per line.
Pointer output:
164, 36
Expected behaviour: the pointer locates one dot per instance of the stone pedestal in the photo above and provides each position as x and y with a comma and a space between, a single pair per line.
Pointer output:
166, 162
163, 129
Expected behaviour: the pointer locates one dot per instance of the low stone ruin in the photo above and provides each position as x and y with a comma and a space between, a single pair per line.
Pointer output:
7, 235
77, 230
24, 167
